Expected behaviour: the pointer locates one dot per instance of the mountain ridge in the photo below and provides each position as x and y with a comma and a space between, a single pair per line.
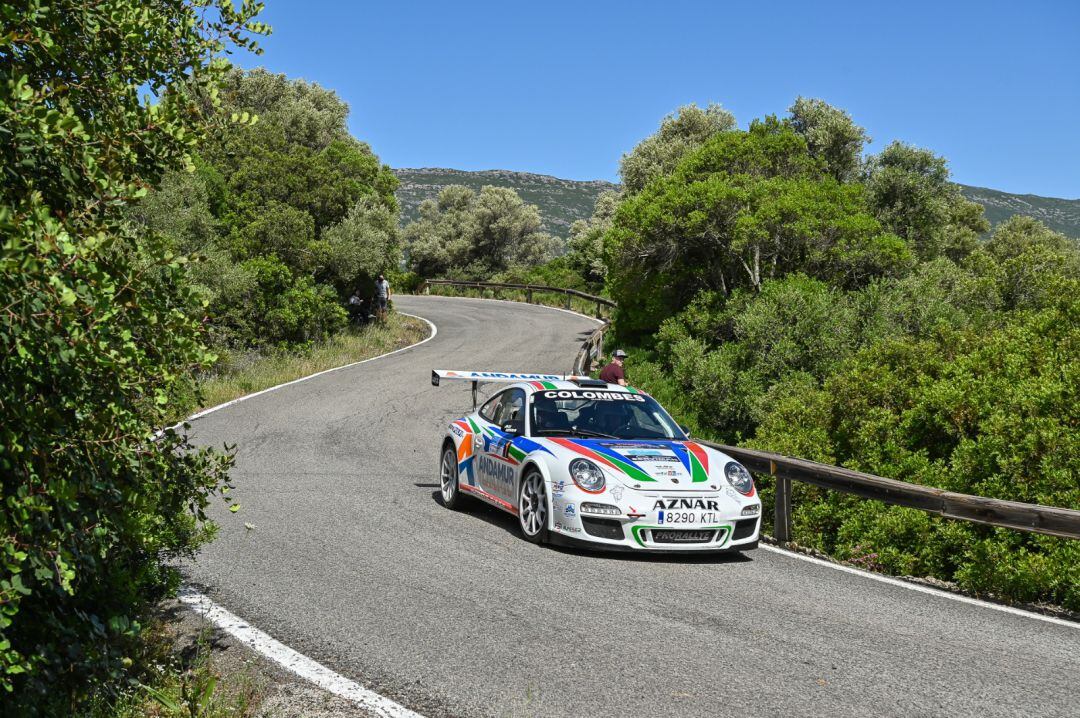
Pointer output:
562, 201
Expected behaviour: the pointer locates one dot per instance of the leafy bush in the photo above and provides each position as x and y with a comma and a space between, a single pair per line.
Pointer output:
961, 376
293, 187
96, 335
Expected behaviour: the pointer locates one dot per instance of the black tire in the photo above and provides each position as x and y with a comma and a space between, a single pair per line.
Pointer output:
449, 490
533, 507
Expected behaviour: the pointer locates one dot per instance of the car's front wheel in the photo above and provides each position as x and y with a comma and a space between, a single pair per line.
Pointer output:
449, 490
533, 507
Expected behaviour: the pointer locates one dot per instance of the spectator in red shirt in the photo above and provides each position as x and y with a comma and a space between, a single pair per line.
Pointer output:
613, 373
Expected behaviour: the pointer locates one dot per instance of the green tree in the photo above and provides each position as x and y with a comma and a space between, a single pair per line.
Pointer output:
684, 130
585, 246
909, 191
294, 186
745, 207
95, 332
831, 135
477, 234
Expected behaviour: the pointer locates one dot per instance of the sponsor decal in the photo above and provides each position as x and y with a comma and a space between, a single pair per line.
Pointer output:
570, 510
559, 485
592, 395
456, 431
704, 504
497, 470
652, 459
500, 375
616, 492
624, 445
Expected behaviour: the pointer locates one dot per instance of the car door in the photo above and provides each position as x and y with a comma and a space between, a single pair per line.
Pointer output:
498, 471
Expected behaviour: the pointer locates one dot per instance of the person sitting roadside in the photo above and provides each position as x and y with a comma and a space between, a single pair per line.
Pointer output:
356, 307
614, 373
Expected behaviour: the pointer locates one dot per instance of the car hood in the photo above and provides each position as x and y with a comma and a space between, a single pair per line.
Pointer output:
646, 464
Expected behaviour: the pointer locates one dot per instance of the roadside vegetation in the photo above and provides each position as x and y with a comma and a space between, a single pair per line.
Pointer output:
160, 252
260, 369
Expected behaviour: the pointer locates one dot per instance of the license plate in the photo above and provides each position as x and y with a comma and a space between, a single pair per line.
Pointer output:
676, 536
669, 518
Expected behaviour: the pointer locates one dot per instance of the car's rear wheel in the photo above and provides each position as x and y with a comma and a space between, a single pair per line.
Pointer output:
533, 507
449, 491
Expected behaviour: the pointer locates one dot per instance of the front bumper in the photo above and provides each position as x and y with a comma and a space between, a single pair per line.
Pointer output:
722, 528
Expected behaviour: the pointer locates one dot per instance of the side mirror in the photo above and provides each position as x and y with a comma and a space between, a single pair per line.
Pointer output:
685, 430
510, 428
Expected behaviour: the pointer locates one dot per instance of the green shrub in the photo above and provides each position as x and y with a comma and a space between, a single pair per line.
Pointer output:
97, 335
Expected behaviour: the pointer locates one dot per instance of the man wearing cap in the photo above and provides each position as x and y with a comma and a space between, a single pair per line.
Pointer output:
613, 373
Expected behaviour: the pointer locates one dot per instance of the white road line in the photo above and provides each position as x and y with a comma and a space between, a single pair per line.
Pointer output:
291, 660
211, 410
273, 649
922, 589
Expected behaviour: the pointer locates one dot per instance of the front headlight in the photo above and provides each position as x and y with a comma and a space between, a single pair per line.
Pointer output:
739, 477
587, 475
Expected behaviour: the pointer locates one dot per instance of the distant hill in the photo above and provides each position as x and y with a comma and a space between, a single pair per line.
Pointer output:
563, 201
560, 201
1061, 215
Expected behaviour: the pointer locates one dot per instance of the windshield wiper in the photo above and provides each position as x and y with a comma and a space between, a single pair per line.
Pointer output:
580, 432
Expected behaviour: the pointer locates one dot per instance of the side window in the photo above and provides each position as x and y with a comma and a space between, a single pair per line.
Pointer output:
490, 410
514, 410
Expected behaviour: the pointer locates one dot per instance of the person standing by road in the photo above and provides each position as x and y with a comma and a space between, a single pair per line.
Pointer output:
614, 373
382, 296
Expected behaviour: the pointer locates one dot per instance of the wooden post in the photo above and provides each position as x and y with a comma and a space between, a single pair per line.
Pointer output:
598, 314
528, 295
567, 304
782, 513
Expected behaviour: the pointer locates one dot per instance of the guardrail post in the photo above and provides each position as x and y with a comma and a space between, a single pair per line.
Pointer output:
782, 505
567, 304
599, 315
528, 296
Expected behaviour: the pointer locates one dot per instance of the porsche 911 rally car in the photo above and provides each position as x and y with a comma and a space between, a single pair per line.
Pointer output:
580, 460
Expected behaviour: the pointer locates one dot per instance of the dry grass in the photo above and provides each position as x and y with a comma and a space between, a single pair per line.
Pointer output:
255, 371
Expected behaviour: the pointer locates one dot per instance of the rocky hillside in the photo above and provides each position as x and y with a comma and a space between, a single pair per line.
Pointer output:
560, 201
1062, 215
563, 201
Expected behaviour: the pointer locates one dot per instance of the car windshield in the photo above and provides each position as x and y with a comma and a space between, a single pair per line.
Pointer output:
601, 414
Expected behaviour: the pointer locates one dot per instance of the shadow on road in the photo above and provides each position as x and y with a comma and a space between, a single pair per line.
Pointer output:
503, 520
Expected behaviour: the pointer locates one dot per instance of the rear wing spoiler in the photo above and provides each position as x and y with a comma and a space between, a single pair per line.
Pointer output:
494, 377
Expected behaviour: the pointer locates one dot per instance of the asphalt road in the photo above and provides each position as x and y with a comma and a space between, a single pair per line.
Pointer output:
353, 561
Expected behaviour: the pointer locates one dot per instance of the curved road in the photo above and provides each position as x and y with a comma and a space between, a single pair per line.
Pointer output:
353, 562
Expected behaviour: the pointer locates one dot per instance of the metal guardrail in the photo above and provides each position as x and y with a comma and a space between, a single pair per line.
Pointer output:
590, 351
1049, 520
527, 288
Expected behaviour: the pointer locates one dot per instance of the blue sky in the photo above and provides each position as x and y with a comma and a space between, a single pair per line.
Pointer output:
565, 88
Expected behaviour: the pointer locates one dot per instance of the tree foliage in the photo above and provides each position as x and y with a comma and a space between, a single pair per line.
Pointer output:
743, 208
684, 130
477, 234
831, 136
585, 246
908, 189
96, 331
293, 188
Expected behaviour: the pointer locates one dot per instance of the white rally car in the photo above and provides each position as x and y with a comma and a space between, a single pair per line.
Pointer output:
580, 460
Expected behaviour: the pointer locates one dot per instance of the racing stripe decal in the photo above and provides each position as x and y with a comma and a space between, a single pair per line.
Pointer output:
607, 458
699, 460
